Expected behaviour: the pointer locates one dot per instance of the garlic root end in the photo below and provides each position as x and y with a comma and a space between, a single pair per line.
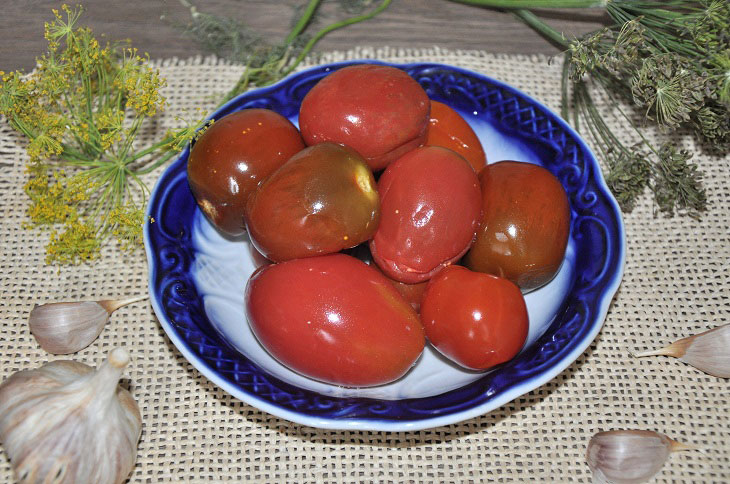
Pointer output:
118, 358
679, 447
112, 305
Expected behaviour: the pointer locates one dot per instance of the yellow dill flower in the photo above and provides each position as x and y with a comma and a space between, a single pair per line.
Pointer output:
128, 222
73, 110
77, 243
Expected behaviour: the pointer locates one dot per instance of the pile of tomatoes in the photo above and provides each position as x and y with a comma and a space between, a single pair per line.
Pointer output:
309, 201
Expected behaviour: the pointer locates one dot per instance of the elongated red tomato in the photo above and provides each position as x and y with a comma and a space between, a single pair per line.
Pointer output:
475, 319
430, 209
233, 156
447, 128
335, 319
379, 111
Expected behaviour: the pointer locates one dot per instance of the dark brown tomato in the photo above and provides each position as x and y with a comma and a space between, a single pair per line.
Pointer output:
447, 128
232, 156
430, 210
323, 200
335, 319
379, 111
525, 224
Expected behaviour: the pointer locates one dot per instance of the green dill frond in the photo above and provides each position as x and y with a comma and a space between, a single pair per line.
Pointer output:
678, 183
227, 38
628, 178
669, 90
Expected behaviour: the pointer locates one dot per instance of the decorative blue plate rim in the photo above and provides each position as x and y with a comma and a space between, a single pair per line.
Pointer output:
597, 229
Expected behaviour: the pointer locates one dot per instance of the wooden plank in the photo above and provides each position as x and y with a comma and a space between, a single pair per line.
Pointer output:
154, 26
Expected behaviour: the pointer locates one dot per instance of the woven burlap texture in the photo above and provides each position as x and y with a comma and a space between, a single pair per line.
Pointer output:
676, 283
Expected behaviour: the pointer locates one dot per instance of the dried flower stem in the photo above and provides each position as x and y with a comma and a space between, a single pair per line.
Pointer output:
671, 59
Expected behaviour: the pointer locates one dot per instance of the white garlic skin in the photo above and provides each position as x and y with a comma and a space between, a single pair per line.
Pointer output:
67, 327
628, 456
62, 328
66, 423
708, 351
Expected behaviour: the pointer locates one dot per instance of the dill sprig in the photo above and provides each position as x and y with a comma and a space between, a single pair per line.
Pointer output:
670, 59
267, 62
81, 110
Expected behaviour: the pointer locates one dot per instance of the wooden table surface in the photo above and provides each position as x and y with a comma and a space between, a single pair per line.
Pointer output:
155, 26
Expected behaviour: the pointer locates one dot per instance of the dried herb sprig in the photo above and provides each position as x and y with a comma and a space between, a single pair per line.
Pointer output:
81, 111
267, 62
671, 60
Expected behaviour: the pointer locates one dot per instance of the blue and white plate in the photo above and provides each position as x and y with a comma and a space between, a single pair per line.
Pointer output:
197, 277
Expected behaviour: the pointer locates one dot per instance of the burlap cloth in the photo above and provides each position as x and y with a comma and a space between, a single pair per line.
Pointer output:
677, 283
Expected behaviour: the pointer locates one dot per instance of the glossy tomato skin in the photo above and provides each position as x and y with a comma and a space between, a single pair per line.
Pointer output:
233, 156
447, 128
430, 210
335, 319
525, 224
477, 320
379, 111
323, 200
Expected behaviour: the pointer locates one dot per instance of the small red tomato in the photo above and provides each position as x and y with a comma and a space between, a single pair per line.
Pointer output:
232, 156
447, 128
475, 319
321, 201
430, 208
335, 319
525, 224
379, 111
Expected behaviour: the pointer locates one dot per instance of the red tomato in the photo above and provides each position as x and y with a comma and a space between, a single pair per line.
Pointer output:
335, 319
525, 224
447, 128
232, 156
379, 111
430, 209
475, 319
412, 293
321, 201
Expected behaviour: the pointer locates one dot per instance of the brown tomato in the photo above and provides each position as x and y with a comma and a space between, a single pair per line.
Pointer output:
231, 158
321, 201
525, 224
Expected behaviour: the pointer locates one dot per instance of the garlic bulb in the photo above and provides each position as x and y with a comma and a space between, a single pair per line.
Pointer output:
66, 423
68, 327
629, 456
708, 351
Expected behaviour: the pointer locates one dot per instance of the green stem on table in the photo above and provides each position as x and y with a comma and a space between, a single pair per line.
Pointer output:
283, 67
512, 4
334, 26
542, 28
303, 21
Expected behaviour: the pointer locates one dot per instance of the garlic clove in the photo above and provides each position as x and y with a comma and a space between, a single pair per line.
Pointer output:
708, 351
629, 456
68, 327
66, 423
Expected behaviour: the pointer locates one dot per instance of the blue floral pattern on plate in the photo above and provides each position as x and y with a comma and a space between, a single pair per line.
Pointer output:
507, 118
